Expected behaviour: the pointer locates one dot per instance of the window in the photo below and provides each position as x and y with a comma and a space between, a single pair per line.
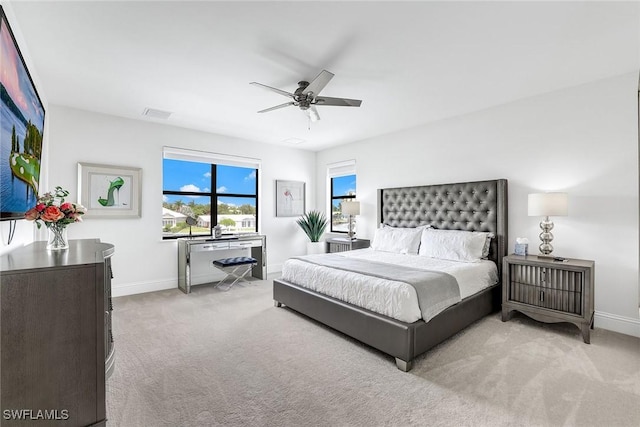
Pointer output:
212, 189
342, 188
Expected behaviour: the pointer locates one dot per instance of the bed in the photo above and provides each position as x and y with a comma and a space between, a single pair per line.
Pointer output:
479, 206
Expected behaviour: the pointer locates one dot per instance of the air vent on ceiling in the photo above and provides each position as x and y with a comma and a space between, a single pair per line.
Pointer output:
294, 141
156, 114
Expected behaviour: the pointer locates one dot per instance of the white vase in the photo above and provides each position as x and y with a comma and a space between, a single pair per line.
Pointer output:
316, 248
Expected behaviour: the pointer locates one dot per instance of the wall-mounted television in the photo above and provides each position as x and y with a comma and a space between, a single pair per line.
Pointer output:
21, 129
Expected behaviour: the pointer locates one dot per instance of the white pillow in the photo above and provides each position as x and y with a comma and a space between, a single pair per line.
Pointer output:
455, 245
398, 240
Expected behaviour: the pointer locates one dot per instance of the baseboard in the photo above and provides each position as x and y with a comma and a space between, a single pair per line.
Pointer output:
621, 324
142, 287
161, 285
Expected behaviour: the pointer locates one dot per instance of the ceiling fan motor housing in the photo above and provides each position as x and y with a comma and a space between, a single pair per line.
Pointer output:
303, 100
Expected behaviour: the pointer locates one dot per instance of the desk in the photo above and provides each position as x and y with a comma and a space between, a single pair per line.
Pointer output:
224, 247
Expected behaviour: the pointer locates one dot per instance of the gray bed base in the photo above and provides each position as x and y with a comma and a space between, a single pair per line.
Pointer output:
404, 341
472, 206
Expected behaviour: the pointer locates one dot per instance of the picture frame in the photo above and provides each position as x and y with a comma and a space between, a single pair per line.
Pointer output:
109, 191
290, 198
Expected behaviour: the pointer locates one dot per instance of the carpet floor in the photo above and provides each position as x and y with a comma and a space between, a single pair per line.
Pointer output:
215, 358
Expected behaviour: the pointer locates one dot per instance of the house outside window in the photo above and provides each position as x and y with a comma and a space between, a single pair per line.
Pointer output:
201, 186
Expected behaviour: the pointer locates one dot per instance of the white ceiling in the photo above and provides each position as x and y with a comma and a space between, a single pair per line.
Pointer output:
410, 62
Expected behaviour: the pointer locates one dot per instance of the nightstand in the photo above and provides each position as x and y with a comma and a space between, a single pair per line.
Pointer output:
342, 244
549, 291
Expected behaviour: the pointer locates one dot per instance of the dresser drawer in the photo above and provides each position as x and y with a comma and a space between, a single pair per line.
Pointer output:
552, 288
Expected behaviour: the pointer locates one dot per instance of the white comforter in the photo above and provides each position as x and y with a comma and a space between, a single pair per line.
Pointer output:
388, 297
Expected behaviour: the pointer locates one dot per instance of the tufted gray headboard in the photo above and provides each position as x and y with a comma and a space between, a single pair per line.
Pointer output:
471, 206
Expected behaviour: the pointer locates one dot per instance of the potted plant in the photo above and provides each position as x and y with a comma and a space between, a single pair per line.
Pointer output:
313, 223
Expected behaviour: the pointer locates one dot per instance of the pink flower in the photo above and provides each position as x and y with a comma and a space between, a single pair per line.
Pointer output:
52, 214
40, 207
66, 207
32, 214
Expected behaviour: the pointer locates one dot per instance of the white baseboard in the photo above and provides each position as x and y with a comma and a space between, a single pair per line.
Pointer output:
142, 287
161, 285
621, 324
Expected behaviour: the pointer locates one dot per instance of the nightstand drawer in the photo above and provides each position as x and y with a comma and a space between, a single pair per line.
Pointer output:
552, 288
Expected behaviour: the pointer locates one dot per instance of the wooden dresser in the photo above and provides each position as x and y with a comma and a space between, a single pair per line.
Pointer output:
55, 334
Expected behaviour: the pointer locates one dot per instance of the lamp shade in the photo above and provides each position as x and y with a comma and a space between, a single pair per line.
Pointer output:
548, 204
351, 208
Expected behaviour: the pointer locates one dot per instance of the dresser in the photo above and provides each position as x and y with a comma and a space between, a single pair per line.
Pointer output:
549, 291
56, 341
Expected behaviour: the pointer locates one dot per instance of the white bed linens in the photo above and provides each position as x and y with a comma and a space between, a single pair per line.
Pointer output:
390, 298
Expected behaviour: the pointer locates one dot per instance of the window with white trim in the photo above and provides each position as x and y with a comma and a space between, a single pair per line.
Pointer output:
342, 180
213, 189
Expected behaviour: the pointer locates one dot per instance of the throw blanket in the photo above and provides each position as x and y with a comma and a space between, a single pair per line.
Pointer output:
436, 290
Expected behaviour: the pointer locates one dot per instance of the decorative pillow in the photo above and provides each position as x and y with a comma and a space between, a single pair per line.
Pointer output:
487, 245
398, 240
454, 245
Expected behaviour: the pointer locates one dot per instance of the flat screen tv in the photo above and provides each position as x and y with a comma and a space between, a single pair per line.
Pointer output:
21, 129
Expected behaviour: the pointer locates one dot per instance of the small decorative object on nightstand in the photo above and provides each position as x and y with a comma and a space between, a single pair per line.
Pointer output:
342, 244
549, 291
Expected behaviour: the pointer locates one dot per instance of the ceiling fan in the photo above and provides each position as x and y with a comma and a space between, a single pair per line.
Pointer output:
306, 96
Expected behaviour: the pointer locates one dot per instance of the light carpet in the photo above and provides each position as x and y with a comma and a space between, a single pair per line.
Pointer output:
215, 358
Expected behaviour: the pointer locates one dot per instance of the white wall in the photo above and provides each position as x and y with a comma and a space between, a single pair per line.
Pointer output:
142, 261
583, 140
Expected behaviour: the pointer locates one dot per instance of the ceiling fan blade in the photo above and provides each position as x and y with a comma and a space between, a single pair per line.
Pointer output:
312, 113
318, 83
276, 90
286, 104
342, 102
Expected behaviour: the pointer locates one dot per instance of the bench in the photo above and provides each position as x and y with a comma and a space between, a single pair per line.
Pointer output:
235, 268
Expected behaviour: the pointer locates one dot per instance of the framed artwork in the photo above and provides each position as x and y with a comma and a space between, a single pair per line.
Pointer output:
109, 191
289, 198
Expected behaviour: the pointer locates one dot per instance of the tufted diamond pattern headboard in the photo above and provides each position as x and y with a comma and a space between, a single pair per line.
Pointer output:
471, 206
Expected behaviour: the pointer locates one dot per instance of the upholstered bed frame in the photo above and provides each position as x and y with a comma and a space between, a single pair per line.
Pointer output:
472, 206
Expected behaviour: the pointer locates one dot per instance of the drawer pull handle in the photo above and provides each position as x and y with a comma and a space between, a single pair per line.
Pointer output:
541, 296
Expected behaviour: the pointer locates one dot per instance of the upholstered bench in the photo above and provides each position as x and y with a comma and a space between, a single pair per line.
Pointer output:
235, 268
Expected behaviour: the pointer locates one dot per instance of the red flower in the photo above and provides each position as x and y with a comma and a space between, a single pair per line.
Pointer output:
40, 207
66, 207
32, 214
52, 214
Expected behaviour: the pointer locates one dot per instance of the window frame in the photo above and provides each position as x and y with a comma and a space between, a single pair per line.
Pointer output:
213, 195
344, 197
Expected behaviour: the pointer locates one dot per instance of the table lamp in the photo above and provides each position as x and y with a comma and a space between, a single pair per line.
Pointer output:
351, 208
546, 205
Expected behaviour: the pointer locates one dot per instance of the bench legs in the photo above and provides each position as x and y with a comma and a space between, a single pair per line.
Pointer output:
232, 273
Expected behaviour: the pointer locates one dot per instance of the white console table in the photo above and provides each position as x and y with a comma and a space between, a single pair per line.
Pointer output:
255, 245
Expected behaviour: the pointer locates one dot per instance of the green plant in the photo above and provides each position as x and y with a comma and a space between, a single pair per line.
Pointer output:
313, 223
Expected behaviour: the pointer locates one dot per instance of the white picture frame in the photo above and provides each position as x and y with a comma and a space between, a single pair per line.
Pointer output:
290, 198
109, 191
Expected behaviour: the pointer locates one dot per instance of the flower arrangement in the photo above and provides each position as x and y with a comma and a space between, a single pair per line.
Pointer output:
53, 213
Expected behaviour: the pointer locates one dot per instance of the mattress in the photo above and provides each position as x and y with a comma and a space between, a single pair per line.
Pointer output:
388, 297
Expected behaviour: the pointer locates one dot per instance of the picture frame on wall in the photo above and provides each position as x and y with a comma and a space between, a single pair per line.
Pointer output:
110, 191
290, 198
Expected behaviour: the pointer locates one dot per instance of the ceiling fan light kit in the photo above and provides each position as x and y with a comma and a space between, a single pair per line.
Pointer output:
306, 96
